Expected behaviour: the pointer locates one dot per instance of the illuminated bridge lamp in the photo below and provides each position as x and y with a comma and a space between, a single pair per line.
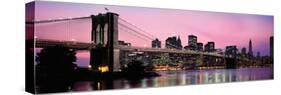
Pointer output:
89, 67
103, 69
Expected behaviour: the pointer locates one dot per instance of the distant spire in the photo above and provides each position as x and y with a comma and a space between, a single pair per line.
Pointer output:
250, 49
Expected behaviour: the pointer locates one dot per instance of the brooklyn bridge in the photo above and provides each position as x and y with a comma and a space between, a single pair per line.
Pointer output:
106, 49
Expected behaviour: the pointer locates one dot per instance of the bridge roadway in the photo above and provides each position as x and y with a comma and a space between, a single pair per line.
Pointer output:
41, 43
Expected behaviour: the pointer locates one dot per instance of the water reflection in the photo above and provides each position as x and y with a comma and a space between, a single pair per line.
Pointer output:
172, 78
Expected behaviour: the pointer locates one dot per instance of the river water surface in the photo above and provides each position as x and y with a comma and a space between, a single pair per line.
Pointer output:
173, 78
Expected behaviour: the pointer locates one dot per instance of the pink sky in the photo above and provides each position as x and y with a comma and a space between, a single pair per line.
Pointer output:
222, 28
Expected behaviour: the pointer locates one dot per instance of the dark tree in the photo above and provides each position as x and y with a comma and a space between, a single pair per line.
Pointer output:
55, 68
134, 68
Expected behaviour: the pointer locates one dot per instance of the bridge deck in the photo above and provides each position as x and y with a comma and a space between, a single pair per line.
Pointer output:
87, 46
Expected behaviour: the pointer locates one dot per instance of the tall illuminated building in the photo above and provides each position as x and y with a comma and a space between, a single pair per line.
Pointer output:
192, 42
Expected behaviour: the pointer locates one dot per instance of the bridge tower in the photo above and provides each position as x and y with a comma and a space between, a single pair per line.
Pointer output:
105, 36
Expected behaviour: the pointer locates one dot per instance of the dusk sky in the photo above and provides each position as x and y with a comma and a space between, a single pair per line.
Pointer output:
222, 28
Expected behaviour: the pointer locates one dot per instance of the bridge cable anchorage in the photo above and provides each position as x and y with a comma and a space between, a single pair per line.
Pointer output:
152, 36
55, 20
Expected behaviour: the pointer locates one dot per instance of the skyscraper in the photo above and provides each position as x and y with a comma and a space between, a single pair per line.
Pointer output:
243, 52
156, 43
173, 42
192, 42
200, 46
250, 53
231, 51
179, 42
258, 55
210, 47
